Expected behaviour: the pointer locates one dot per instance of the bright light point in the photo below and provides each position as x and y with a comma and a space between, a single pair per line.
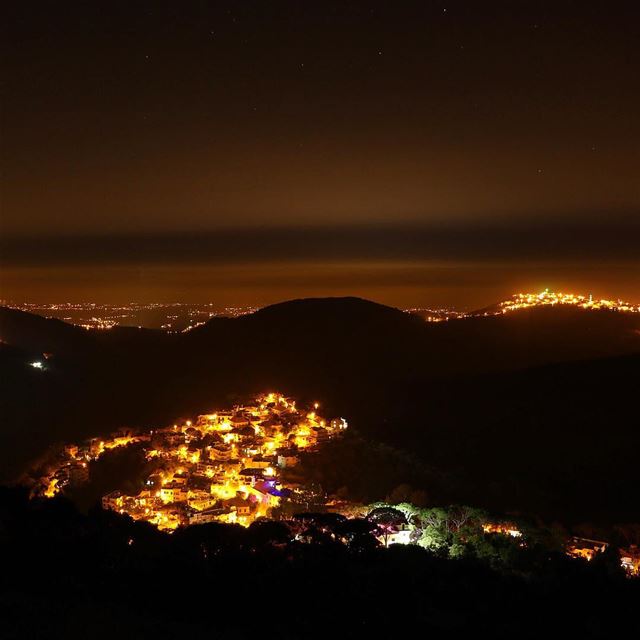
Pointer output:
37, 364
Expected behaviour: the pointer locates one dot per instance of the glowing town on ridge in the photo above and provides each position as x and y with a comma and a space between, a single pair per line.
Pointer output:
550, 298
520, 301
229, 467
224, 467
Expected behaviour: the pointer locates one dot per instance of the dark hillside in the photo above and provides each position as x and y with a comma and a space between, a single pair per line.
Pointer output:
38, 334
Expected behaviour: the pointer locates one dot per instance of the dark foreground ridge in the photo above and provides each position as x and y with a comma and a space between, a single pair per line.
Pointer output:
68, 575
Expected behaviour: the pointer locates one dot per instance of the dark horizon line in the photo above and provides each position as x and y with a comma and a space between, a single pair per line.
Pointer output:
609, 240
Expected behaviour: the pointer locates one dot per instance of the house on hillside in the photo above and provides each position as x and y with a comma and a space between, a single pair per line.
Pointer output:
585, 547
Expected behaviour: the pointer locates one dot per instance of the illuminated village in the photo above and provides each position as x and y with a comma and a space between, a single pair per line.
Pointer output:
550, 298
520, 301
224, 467
229, 467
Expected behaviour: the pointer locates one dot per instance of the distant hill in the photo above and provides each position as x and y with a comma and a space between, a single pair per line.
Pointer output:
340, 327
505, 402
338, 310
37, 334
540, 335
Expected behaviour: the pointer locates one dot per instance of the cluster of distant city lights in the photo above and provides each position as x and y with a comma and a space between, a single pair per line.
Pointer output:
520, 301
173, 317
550, 298
183, 317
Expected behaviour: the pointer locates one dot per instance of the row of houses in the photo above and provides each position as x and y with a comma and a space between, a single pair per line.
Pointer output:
225, 466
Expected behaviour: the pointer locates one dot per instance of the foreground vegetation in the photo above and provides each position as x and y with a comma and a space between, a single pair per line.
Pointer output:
67, 574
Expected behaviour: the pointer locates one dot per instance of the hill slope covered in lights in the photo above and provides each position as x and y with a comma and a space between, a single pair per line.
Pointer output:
548, 298
524, 409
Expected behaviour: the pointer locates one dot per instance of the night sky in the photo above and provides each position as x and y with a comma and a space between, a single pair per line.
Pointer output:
416, 153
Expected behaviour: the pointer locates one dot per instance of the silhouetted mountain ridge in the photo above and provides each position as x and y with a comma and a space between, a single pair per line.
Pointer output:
35, 333
350, 308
